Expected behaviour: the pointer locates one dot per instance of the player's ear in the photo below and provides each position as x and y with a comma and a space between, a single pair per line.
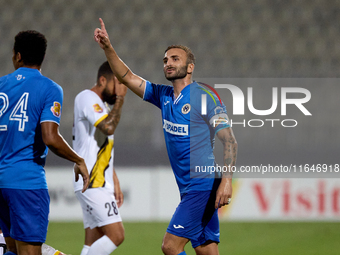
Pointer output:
17, 56
17, 60
102, 81
190, 68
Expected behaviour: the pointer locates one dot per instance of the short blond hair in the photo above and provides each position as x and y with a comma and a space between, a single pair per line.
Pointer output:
190, 55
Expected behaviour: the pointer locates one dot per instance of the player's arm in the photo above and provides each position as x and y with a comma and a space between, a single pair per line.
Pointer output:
110, 123
117, 192
119, 68
224, 191
56, 143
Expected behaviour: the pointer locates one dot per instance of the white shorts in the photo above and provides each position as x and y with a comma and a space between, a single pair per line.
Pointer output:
99, 207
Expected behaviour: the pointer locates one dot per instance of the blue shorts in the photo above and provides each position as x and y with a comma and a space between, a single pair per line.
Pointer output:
24, 214
196, 218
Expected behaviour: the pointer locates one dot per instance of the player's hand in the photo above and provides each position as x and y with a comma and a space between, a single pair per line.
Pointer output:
101, 36
81, 169
120, 89
224, 193
118, 195
117, 191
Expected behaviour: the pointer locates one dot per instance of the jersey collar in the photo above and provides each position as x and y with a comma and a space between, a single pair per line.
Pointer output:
184, 92
27, 69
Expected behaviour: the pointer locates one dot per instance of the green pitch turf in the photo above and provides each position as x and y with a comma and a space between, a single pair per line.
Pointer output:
236, 238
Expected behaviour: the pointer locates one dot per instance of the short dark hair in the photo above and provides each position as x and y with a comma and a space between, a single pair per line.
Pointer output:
105, 70
190, 55
32, 47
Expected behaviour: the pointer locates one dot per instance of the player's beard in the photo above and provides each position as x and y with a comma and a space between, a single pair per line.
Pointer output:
110, 99
179, 73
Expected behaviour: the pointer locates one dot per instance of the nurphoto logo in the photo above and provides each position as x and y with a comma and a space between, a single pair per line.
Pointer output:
239, 104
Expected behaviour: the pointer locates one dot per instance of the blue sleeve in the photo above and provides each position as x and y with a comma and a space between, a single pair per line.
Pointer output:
216, 113
153, 93
52, 104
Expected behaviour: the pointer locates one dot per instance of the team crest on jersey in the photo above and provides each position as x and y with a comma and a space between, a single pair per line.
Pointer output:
97, 108
219, 109
56, 109
186, 108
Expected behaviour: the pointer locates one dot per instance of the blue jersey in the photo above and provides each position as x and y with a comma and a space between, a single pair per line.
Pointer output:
189, 130
27, 99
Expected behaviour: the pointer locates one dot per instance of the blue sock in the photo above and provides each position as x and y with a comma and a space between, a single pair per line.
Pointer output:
10, 253
182, 253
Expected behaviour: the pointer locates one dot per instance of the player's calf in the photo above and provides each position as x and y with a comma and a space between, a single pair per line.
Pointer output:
103, 246
113, 236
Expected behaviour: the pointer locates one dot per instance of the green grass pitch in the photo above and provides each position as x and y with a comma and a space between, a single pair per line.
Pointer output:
236, 238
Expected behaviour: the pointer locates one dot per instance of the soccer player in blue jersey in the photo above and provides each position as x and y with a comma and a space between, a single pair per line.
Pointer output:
189, 130
30, 110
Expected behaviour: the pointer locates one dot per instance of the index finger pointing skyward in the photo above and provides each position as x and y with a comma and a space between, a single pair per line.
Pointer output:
102, 24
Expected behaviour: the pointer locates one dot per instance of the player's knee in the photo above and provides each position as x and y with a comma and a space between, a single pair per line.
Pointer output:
168, 248
120, 238
115, 232
165, 248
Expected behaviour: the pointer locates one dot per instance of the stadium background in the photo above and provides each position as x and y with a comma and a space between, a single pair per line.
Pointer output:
231, 39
